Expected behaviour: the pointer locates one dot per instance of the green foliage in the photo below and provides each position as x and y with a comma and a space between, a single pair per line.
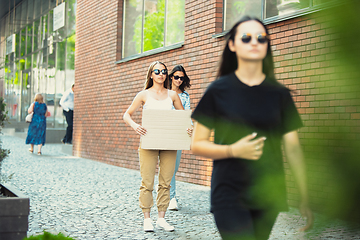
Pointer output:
49, 236
153, 28
141, 38
175, 19
239, 7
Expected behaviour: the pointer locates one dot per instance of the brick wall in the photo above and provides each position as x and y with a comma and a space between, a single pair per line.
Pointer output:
304, 55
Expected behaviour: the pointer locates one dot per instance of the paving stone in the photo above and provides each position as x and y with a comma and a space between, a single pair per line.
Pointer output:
86, 199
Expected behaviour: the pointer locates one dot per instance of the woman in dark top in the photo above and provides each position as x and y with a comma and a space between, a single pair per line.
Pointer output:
248, 183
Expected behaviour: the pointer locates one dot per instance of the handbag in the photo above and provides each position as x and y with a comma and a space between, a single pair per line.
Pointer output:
28, 117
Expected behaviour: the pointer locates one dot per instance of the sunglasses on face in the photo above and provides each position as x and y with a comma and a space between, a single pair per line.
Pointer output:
157, 71
261, 38
177, 77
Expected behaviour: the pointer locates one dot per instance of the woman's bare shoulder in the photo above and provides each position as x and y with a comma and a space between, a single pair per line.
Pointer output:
172, 93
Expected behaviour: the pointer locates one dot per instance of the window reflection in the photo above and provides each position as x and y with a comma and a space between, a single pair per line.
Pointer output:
235, 9
132, 20
175, 27
43, 60
152, 24
284, 7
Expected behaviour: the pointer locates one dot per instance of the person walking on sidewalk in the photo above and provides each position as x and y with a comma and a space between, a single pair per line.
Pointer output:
37, 128
179, 81
154, 96
248, 183
67, 103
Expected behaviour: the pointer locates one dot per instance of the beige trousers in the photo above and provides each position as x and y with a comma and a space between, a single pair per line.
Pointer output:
148, 161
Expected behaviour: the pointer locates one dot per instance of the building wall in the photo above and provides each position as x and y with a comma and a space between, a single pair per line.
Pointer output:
304, 51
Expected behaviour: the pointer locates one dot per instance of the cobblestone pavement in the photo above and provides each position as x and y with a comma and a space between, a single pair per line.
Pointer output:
85, 199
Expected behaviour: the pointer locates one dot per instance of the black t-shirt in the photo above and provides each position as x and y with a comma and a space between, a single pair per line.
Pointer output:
234, 110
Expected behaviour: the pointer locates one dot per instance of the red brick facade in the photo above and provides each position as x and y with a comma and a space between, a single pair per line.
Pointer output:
303, 54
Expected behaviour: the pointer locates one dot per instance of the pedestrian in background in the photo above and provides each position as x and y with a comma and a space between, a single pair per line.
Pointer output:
248, 182
179, 81
67, 103
37, 128
155, 95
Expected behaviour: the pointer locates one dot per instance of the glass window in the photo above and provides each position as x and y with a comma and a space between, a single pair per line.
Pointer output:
23, 14
2, 30
17, 22
284, 7
145, 22
71, 20
60, 53
11, 23
70, 61
132, 20
154, 25
17, 44
37, 34
23, 42
38, 72
70, 52
262, 9
45, 30
235, 9
37, 8
28, 62
30, 10
51, 21
174, 24
29, 38
7, 26
52, 4
44, 6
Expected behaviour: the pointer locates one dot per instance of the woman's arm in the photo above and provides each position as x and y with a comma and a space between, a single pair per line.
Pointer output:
31, 108
295, 159
176, 100
246, 148
138, 100
186, 106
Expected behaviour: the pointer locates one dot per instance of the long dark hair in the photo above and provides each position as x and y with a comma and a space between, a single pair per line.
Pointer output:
229, 63
185, 83
149, 81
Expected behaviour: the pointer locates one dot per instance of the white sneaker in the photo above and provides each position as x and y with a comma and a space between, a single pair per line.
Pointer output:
161, 223
148, 227
173, 205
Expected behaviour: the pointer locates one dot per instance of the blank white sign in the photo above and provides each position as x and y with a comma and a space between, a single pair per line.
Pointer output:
166, 129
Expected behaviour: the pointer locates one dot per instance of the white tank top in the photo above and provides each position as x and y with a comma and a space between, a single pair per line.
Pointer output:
152, 103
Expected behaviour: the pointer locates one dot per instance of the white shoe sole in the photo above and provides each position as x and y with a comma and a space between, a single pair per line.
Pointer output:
167, 230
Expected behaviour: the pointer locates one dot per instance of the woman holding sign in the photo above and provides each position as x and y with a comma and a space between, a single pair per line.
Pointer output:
155, 96
245, 106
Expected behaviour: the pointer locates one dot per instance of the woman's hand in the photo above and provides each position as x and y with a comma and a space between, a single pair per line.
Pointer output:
189, 131
247, 147
139, 129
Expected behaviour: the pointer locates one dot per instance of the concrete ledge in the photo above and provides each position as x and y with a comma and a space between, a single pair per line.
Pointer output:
53, 135
67, 148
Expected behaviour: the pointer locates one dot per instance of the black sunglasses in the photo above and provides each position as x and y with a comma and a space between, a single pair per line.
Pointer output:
261, 38
157, 71
177, 77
